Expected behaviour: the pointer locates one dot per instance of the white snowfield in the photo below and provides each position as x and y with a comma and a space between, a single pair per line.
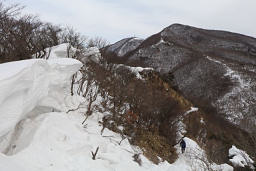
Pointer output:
38, 134
27, 84
240, 158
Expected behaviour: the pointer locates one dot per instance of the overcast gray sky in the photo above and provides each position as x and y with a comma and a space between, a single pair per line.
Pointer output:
117, 19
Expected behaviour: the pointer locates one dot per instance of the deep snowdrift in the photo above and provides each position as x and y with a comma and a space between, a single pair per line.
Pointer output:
59, 142
64, 50
25, 85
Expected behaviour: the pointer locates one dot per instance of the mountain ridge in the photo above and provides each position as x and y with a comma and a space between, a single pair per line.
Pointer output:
210, 67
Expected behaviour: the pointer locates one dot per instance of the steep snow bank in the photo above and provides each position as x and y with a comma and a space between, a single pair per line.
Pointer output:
64, 50
27, 84
240, 158
58, 141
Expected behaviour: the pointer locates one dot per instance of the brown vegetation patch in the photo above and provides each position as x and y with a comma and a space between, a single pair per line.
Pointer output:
216, 135
154, 146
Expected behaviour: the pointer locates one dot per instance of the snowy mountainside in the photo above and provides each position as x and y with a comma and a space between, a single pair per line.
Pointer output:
146, 74
226, 83
39, 129
124, 46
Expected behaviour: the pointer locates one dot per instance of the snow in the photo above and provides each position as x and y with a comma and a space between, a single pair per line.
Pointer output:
135, 70
138, 70
38, 134
129, 45
232, 74
202, 120
124, 46
192, 109
181, 127
159, 43
117, 45
236, 103
58, 141
240, 158
8, 165
92, 53
64, 50
27, 84
195, 158
9, 69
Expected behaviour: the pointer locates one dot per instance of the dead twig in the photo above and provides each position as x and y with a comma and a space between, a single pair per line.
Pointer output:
94, 154
78, 107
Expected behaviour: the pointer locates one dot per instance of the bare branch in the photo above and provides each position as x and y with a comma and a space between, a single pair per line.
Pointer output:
95, 153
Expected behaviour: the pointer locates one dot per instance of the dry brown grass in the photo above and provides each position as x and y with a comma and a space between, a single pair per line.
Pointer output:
154, 146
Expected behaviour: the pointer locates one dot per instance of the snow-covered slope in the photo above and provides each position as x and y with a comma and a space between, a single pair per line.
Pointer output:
59, 142
214, 67
38, 134
124, 46
25, 85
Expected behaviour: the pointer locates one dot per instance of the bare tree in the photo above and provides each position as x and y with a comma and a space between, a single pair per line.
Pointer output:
98, 42
75, 39
24, 35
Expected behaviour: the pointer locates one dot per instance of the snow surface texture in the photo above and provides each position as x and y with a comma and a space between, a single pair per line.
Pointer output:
240, 158
64, 50
58, 141
24, 85
34, 139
